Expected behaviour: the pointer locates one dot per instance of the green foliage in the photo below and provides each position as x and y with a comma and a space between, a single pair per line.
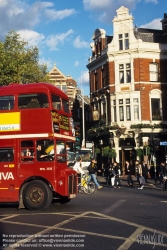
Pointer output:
139, 151
97, 150
109, 152
19, 62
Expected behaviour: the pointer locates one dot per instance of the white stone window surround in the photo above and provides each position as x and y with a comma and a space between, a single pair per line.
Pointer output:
103, 107
133, 107
124, 73
96, 103
123, 40
155, 94
153, 69
125, 61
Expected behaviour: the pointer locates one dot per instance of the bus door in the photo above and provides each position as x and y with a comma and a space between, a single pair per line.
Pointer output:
7, 172
26, 161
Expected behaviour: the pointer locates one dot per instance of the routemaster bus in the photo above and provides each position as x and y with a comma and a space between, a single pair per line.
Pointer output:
35, 126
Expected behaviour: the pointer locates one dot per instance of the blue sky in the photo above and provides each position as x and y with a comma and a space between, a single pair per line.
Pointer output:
63, 29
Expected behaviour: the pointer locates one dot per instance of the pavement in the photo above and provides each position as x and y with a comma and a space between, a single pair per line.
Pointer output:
151, 183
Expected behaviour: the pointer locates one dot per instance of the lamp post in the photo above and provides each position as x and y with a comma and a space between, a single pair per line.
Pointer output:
154, 158
83, 119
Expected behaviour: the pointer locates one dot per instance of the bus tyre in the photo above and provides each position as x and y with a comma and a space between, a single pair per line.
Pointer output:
37, 195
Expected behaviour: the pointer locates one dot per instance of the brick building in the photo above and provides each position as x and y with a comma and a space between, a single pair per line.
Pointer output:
128, 86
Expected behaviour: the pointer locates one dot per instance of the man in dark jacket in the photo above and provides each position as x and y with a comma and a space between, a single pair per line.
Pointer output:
92, 170
162, 171
129, 173
145, 170
117, 173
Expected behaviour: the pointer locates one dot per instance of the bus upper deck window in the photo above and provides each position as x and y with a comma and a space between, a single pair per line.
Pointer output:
66, 106
32, 101
56, 102
6, 102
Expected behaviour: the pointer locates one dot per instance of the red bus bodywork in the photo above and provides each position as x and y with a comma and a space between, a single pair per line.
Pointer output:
27, 180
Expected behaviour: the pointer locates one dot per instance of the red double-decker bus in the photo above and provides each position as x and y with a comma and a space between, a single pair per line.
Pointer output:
35, 126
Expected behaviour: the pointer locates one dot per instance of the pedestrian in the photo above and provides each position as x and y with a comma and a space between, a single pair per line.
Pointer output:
117, 174
112, 176
165, 178
161, 171
144, 170
107, 172
129, 173
138, 174
92, 170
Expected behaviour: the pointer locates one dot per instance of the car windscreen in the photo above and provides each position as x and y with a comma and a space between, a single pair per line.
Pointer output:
70, 156
85, 155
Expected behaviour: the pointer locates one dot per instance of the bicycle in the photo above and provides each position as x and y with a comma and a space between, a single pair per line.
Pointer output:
88, 187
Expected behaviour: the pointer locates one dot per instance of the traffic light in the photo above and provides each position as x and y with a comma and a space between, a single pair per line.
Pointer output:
78, 138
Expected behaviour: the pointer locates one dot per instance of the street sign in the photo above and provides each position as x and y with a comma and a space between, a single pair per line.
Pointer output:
163, 143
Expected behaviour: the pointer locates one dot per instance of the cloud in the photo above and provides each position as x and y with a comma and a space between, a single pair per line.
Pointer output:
154, 24
19, 15
95, 5
76, 64
152, 1
61, 14
106, 9
80, 44
84, 79
48, 62
54, 40
32, 37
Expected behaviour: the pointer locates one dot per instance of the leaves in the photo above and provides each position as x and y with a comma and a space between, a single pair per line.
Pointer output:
19, 62
139, 151
109, 152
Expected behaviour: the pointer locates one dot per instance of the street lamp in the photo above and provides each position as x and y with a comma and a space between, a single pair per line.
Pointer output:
154, 157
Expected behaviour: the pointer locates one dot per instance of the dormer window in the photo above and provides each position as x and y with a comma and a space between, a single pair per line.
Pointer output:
123, 41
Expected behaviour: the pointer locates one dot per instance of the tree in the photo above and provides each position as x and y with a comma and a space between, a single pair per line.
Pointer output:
19, 62
109, 152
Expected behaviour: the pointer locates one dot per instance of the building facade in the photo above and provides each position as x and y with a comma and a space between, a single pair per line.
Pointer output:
128, 86
79, 104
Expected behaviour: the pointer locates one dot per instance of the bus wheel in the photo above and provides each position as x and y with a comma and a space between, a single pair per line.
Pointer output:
37, 195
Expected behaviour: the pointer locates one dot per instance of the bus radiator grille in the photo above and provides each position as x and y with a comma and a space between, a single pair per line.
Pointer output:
72, 184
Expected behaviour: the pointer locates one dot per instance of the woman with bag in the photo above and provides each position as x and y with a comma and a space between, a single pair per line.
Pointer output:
138, 174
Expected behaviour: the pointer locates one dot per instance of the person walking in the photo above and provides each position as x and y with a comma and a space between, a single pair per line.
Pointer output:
129, 173
92, 170
112, 176
117, 174
162, 171
145, 171
138, 173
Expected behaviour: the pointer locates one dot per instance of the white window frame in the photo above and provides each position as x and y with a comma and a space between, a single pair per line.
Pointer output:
124, 73
153, 68
123, 41
156, 94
